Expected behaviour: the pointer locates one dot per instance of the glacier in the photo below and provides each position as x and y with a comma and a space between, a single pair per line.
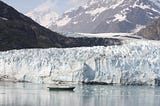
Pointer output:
134, 62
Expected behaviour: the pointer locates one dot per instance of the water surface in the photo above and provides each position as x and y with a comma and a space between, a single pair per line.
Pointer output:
27, 94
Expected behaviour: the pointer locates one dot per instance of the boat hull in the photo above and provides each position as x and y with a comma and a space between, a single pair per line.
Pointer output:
61, 88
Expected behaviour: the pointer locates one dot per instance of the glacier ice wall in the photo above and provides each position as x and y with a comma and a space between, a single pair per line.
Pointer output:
131, 63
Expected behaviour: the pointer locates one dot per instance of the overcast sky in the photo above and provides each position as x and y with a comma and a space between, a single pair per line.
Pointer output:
25, 6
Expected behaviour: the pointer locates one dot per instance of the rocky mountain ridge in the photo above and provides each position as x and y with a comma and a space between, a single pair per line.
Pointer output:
17, 31
108, 16
151, 31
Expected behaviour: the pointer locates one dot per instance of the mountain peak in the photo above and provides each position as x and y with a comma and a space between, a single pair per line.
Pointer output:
44, 14
103, 16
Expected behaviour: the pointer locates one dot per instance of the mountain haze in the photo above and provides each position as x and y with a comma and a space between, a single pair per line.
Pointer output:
105, 16
44, 14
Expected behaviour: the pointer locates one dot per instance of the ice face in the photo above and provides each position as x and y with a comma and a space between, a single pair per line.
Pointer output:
137, 62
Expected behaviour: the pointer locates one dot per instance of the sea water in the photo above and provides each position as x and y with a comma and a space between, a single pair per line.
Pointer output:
29, 94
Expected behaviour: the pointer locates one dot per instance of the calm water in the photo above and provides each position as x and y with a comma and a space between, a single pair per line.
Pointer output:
20, 94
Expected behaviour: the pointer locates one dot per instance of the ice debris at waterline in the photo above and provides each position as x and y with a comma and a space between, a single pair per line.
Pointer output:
130, 63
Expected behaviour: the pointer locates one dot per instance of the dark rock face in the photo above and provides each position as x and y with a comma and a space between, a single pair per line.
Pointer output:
152, 31
20, 32
105, 16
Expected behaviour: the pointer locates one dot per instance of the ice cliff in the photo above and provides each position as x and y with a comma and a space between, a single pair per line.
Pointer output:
136, 62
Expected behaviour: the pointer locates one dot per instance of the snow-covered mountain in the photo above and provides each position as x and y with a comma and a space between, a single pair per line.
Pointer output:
44, 14
134, 62
99, 16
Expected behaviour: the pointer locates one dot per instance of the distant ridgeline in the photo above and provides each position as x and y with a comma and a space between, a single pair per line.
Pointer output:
102, 16
152, 30
17, 31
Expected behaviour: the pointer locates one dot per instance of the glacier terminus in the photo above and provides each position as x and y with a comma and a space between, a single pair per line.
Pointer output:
135, 62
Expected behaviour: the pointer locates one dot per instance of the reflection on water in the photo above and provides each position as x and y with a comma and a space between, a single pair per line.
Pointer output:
20, 94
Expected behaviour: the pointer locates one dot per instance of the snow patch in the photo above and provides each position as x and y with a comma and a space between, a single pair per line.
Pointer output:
143, 6
3, 18
117, 4
63, 22
70, 10
96, 11
138, 28
119, 17
76, 22
91, 2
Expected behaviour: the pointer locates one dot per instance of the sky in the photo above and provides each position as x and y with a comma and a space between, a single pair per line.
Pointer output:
25, 6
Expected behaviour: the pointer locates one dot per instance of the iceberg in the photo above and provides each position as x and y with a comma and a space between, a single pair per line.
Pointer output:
136, 62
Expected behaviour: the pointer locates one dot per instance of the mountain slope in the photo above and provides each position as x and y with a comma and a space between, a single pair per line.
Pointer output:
19, 32
151, 31
103, 16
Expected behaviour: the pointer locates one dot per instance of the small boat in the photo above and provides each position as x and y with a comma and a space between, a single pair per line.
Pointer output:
61, 88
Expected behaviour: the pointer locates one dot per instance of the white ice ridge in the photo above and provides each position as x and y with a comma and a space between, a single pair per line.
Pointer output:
131, 63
